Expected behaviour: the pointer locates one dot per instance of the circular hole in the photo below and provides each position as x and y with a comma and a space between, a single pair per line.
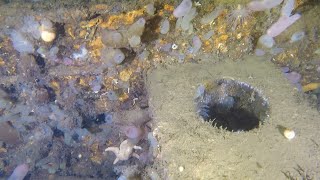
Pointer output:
231, 105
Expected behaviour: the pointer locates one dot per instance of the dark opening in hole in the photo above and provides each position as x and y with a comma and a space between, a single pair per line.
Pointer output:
231, 105
40, 62
92, 123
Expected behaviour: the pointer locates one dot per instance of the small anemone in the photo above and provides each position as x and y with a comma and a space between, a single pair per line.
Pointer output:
238, 15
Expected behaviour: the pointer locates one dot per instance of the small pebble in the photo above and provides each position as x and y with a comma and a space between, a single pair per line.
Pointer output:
181, 168
67, 61
289, 134
285, 69
166, 47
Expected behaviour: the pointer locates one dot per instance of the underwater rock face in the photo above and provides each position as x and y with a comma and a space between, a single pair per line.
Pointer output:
84, 77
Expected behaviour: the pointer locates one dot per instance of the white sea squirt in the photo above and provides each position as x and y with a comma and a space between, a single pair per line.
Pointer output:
208, 18
21, 43
287, 8
285, 20
263, 5
165, 26
196, 44
297, 36
183, 9
282, 24
266, 41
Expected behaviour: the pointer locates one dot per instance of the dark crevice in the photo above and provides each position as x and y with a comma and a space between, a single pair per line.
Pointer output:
232, 105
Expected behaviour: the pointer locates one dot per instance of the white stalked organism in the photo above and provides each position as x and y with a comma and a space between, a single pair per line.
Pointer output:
150, 9
186, 20
137, 28
285, 20
282, 24
125, 151
208, 18
164, 26
19, 172
196, 44
238, 15
31, 27
112, 38
21, 43
134, 41
287, 8
263, 5
111, 56
47, 31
